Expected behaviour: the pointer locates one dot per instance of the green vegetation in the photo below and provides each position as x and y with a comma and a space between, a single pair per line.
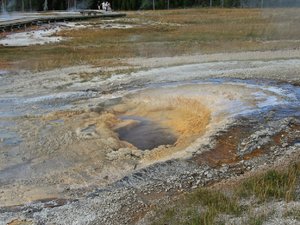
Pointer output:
272, 185
206, 205
256, 219
201, 207
22, 5
140, 4
191, 210
165, 4
214, 200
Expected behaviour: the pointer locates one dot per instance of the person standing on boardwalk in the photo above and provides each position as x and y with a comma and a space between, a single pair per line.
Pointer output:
108, 7
98, 5
103, 6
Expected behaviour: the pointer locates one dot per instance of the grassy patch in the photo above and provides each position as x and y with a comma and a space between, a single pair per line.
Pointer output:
214, 200
256, 220
164, 33
273, 184
200, 207
205, 206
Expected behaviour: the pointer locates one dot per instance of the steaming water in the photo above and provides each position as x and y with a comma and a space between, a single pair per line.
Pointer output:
291, 108
245, 98
284, 90
268, 94
34, 147
284, 99
145, 134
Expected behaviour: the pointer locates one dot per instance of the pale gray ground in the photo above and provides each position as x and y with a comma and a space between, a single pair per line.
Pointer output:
57, 138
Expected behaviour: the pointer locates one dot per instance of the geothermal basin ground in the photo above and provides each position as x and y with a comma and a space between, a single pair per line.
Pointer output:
105, 140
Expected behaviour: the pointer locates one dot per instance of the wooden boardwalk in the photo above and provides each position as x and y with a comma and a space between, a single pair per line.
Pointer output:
22, 23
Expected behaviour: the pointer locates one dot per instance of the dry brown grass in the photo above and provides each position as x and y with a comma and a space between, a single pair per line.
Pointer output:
165, 33
207, 205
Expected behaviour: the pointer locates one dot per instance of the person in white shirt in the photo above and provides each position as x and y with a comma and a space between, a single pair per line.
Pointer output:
103, 6
108, 8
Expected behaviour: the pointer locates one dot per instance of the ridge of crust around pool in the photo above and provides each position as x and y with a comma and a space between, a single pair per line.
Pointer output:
81, 149
188, 112
174, 122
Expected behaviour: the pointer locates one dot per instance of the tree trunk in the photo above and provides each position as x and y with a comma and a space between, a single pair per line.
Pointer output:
153, 4
3, 6
45, 5
22, 6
